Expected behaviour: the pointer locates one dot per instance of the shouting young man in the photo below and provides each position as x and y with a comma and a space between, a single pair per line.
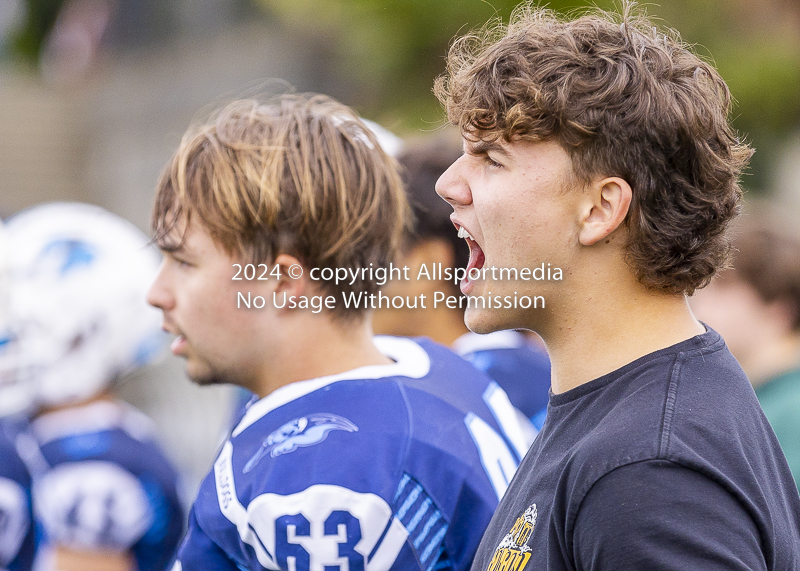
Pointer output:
600, 148
362, 453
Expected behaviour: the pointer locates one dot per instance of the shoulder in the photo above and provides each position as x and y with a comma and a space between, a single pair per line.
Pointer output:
450, 380
108, 431
669, 405
366, 451
424, 377
662, 406
661, 514
349, 430
520, 367
688, 413
92, 428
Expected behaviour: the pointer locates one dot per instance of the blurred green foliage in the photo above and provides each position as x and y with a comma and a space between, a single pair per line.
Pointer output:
388, 52
393, 49
40, 15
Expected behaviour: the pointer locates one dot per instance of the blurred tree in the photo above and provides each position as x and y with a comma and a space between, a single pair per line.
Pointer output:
132, 23
756, 47
381, 56
40, 16
387, 53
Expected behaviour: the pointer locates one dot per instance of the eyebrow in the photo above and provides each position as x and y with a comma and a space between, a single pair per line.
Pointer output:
485, 147
171, 247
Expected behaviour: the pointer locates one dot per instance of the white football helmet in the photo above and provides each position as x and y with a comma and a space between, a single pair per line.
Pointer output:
79, 276
389, 142
16, 395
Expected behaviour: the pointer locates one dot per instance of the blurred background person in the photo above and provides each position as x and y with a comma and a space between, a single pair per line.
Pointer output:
755, 306
16, 518
104, 494
431, 241
16, 515
516, 360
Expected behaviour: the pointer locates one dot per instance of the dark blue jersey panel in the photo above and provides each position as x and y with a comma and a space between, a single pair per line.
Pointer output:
16, 517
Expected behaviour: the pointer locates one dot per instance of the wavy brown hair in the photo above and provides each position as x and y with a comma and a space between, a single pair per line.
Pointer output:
624, 99
300, 174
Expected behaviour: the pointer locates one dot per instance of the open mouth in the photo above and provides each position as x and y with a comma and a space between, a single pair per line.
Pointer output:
476, 259
178, 345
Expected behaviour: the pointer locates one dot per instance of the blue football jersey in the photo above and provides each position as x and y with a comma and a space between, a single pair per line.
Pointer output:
16, 518
519, 366
395, 467
102, 482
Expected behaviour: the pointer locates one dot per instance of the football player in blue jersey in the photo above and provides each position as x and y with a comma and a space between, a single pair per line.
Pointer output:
16, 515
105, 495
362, 452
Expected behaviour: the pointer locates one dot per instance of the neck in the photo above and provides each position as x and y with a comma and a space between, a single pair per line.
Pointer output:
317, 345
610, 327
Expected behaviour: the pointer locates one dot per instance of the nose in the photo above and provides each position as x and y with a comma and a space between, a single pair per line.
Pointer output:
452, 185
159, 295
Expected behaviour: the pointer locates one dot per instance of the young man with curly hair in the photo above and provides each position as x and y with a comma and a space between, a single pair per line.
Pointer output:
361, 453
600, 145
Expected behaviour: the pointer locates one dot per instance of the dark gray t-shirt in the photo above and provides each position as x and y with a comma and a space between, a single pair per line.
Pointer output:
666, 463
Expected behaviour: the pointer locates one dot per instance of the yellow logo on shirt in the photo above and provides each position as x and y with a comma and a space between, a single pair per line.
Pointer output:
513, 554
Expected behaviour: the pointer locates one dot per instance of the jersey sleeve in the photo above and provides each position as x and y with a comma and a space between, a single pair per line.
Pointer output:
660, 515
198, 552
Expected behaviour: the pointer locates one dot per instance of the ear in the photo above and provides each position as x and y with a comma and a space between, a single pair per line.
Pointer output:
604, 210
293, 278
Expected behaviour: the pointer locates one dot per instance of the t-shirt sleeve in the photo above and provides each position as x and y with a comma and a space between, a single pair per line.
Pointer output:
658, 515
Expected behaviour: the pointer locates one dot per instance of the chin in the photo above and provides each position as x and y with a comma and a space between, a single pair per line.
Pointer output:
484, 321
202, 376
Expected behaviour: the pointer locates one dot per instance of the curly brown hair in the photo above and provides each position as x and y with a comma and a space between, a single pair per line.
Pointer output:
624, 99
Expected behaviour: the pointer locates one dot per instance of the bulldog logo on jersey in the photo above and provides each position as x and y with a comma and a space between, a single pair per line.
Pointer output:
303, 431
513, 552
